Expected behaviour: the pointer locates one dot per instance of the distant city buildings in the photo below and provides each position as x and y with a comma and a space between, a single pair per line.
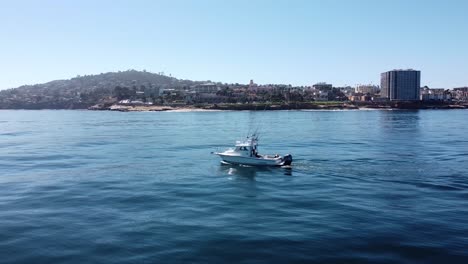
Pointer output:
137, 88
401, 85
435, 94
347, 90
460, 94
367, 89
207, 87
461, 89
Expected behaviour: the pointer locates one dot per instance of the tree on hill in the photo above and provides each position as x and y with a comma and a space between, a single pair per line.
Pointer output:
122, 93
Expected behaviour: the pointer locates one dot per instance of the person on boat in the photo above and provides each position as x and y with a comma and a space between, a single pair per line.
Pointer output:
254, 153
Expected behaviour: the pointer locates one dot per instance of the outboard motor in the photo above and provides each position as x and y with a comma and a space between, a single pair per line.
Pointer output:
287, 159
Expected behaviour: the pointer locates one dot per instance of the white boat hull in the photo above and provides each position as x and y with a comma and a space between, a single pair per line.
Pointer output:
255, 161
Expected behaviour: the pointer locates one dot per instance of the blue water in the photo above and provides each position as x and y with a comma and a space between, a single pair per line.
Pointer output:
111, 187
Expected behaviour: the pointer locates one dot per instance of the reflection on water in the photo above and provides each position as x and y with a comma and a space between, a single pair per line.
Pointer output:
287, 171
391, 121
398, 133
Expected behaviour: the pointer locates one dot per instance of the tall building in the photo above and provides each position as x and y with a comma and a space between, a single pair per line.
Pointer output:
401, 85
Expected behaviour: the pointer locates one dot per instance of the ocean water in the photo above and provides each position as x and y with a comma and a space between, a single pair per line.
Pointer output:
112, 187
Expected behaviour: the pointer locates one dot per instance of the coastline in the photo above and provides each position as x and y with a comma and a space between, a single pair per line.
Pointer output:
321, 106
257, 107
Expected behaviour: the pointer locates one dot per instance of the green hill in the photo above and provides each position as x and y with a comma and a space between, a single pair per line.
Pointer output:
84, 91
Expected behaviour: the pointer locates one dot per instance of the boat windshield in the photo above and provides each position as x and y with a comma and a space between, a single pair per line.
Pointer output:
242, 148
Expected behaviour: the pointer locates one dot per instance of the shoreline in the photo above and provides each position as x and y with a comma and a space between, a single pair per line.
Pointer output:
309, 106
276, 107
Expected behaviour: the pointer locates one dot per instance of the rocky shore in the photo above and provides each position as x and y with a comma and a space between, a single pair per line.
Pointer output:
278, 106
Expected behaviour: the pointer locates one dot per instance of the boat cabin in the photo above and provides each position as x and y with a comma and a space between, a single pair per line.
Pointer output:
247, 148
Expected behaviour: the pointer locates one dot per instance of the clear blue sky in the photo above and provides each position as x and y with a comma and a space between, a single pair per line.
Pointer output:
293, 42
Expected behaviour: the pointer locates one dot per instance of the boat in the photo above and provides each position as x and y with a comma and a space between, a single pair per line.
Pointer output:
246, 153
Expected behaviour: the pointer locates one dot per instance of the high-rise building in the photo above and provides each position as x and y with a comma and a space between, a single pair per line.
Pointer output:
401, 85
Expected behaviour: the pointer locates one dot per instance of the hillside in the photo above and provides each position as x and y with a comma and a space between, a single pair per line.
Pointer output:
83, 91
